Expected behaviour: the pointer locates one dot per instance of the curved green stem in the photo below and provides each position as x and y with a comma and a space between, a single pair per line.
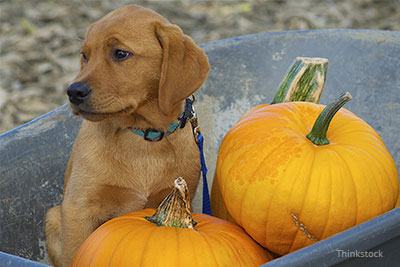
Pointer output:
174, 210
304, 81
318, 132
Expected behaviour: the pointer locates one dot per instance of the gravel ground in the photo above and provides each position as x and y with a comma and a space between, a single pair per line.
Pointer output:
40, 39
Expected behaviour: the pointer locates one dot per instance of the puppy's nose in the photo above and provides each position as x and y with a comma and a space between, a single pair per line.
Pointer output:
78, 92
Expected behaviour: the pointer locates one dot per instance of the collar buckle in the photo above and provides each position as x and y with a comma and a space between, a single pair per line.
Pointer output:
154, 135
149, 132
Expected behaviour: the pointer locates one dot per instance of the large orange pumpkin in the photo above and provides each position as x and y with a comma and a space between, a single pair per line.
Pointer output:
289, 188
304, 81
170, 238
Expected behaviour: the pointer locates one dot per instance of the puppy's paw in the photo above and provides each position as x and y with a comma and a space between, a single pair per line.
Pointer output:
53, 235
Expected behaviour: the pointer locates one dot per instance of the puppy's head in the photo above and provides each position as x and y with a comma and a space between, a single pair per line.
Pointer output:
133, 56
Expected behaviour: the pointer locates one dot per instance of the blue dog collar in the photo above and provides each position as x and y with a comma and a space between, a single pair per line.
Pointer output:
154, 135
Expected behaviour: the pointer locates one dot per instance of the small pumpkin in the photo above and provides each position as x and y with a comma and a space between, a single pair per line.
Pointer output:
289, 187
170, 237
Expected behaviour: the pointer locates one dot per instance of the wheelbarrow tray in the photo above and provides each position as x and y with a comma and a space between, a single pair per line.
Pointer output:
245, 71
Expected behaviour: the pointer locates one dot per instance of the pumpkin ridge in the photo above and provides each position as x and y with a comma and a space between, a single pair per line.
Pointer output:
377, 187
242, 202
283, 114
245, 147
172, 234
181, 238
267, 215
118, 245
327, 184
348, 117
209, 246
144, 251
244, 192
177, 243
277, 147
380, 170
297, 120
268, 208
330, 202
297, 117
351, 132
224, 188
226, 244
257, 116
323, 157
381, 150
104, 239
348, 168
264, 128
386, 154
331, 175
230, 232
377, 159
229, 236
284, 111
86, 247
305, 195
378, 149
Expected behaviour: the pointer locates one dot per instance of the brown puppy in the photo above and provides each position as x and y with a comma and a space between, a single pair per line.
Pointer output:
136, 71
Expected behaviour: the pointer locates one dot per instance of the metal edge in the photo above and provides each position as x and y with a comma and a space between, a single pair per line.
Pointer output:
299, 33
52, 112
372, 232
15, 261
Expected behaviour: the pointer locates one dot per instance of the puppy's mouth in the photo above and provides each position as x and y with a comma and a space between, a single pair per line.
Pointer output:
98, 115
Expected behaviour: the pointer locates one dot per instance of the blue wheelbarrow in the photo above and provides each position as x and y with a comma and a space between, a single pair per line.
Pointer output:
245, 71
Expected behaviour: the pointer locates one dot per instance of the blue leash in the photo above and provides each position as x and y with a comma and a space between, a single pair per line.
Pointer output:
206, 209
206, 195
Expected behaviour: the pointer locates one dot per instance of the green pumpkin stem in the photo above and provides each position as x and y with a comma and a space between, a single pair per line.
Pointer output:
174, 210
320, 128
304, 81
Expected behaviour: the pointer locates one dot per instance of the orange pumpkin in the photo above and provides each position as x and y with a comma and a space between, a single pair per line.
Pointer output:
289, 187
170, 238
304, 81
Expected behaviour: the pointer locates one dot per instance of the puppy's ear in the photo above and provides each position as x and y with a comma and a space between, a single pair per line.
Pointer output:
184, 66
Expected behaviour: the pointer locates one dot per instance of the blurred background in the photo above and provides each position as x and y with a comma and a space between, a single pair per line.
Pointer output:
40, 39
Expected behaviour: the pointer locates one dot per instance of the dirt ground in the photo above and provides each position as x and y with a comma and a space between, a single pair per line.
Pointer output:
40, 39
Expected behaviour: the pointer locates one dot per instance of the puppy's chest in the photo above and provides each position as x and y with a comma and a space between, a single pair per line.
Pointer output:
148, 165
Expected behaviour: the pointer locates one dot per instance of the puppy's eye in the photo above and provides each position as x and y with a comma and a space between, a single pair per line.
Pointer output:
84, 58
120, 55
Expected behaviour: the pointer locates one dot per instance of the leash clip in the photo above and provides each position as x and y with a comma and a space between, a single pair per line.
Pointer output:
194, 122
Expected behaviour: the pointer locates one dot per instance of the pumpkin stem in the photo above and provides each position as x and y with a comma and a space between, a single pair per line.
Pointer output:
304, 81
174, 210
320, 128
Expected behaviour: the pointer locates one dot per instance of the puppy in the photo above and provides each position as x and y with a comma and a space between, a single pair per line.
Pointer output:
136, 71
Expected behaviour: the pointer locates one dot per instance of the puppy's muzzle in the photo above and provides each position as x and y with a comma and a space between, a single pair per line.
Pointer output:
78, 92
